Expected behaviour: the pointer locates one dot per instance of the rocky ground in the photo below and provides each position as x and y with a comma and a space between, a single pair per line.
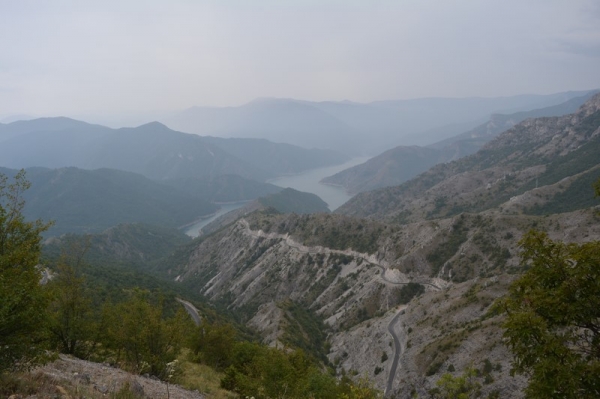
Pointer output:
69, 377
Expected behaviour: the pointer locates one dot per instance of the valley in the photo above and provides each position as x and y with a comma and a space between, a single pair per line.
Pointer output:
398, 285
300, 199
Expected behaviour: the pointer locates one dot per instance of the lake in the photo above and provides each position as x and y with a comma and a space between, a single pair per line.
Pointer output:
306, 181
309, 182
194, 229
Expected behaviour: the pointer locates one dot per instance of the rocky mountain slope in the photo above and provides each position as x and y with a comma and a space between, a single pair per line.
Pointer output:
520, 170
402, 163
404, 295
353, 274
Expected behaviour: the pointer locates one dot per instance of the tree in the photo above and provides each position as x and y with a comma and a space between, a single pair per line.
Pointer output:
22, 298
145, 341
462, 387
213, 344
71, 319
553, 318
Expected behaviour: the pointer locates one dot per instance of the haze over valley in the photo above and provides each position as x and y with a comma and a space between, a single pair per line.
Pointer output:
335, 199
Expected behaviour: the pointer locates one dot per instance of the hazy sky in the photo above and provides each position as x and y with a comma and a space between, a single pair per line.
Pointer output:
108, 57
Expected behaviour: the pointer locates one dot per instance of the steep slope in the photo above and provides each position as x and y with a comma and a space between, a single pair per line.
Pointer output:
402, 163
405, 295
285, 201
152, 150
471, 141
354, 274
534, 153
160, 153
135, 244
90, 201
391, 168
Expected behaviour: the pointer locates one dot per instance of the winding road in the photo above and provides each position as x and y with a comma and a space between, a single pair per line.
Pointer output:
367, 257
397, 351
192, 311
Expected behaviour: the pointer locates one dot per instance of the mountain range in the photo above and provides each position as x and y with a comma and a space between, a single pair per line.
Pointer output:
397, 285
355, 128
404, 277
152, 150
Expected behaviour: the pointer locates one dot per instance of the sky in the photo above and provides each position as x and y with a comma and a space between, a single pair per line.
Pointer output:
146, 58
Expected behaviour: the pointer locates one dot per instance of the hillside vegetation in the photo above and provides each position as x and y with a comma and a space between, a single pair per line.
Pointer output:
91, 201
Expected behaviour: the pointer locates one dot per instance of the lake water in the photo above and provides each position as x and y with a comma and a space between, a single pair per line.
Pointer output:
307, 181
194, 230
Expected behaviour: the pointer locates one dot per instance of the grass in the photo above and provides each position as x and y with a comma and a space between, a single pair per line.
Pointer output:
202, 378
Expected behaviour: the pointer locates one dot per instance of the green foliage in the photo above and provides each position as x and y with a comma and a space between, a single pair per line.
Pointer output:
293, 201
23, 301
304, 330
461, 387
254, 370
576, 196
409, 291
261, 372
130, 246
87, 201
212, 344
143, 339
71, 322
553, 318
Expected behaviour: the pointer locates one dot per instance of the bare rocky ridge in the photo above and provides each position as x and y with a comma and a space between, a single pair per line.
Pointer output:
402, 163
357, 293
545, 148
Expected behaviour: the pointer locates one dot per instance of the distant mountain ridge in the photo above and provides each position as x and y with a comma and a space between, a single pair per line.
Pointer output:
402, 163
350, 127
541, 151
90, 201
152, 149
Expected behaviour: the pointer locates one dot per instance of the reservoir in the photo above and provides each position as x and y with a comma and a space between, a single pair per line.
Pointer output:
194, 229
309, 182
306, 181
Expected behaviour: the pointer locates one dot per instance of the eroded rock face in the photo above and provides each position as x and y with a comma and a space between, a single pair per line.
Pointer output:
358, 294
503, 168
